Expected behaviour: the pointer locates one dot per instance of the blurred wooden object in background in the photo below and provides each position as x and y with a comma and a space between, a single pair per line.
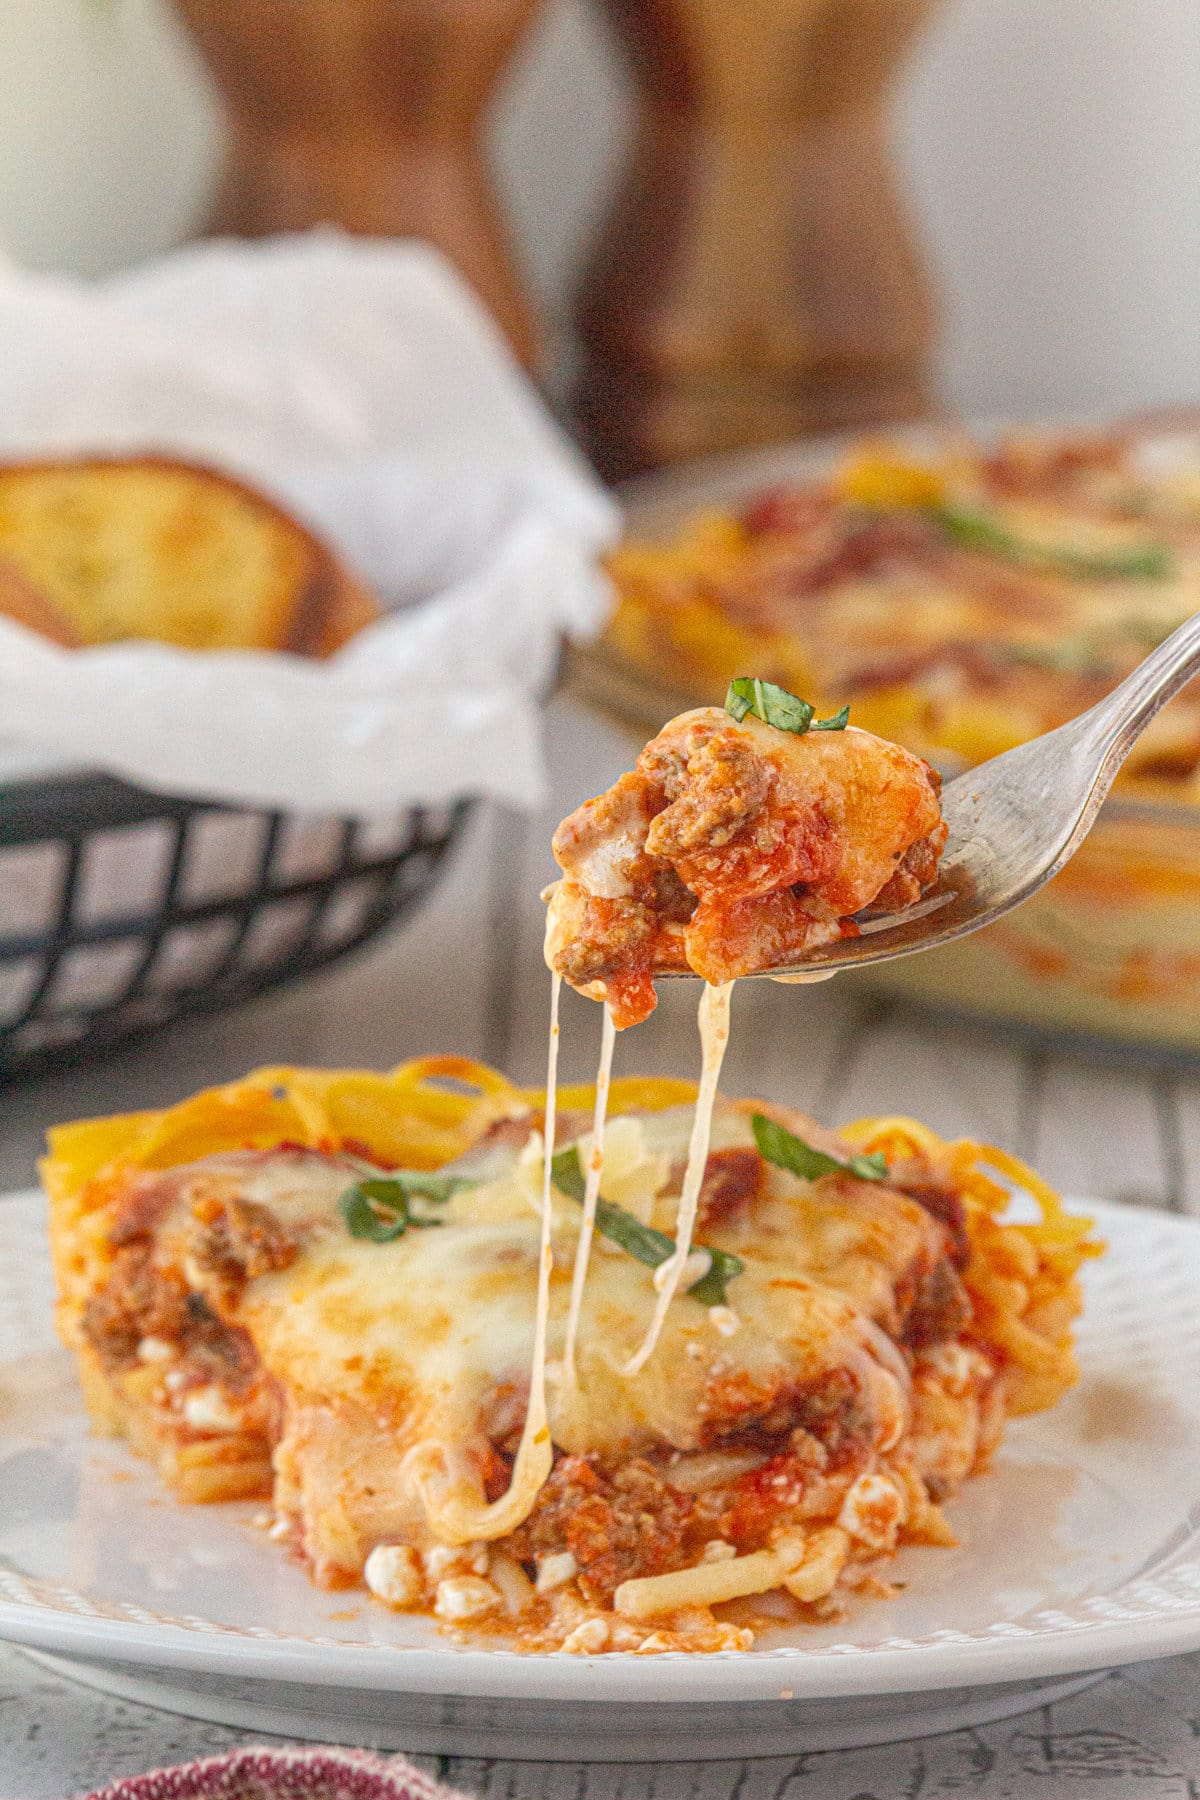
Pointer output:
756, 278
365, 114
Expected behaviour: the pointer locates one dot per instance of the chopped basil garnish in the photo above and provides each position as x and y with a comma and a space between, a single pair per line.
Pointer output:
713, 1289
787, 1151
838, 722
566, 1172
775, 706
378, 1209
642, 1241
974, 530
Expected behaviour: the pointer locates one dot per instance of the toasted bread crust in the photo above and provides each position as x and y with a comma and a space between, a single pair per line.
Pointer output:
21, 601
336, 607
301, 598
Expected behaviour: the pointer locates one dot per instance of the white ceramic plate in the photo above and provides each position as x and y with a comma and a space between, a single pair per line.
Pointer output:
1079, 1550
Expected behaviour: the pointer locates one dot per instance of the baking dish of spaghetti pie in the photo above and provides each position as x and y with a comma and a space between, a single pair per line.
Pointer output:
320, 1292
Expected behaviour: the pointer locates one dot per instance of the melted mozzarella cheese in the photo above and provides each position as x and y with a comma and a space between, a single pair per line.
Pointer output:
400, 1361
714, 1035
438, 1321
591, 1194
452, 1508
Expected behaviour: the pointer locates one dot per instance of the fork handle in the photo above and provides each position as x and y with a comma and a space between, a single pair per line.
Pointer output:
1118, 721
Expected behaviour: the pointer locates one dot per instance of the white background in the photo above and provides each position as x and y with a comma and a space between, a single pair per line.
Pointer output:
1051, 147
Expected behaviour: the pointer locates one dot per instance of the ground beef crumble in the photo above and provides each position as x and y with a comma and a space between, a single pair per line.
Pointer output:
617, 1523
916, 871
728, 785
140, 1301
136, 1301
733, 1180
739, 1411
920, 1182
941, 1308
233, 1241
613, 935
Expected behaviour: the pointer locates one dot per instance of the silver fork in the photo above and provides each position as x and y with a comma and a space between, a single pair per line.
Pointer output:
1014, 821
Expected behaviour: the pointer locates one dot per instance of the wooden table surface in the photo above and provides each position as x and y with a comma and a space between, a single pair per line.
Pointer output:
466, 975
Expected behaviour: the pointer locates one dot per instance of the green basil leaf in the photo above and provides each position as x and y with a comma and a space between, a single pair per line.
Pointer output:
975, 530
378, 1209
787, 1151
375, 1210
712, 1289
773, 705
869, 1168
566, 1172
643, 1242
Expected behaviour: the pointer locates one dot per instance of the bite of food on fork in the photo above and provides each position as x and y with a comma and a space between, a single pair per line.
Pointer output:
760, 840
743, 839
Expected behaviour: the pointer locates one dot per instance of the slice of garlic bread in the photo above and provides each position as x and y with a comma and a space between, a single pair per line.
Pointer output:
154, 548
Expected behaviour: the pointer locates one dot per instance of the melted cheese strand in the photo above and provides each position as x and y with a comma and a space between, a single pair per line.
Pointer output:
714, 1035
454, 1513
591, 1194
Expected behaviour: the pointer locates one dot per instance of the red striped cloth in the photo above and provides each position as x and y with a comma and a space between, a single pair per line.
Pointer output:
262, 1774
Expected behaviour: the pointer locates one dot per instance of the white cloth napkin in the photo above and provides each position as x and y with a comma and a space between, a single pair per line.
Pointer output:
362, 384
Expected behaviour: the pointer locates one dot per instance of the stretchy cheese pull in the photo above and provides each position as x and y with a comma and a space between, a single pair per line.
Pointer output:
591, 1193
457, 1514
714, 1035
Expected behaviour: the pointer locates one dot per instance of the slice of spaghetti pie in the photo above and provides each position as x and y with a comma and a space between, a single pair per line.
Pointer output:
742, 838
322, 1289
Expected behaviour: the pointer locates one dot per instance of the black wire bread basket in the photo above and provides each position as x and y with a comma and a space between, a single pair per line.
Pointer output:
122, 910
